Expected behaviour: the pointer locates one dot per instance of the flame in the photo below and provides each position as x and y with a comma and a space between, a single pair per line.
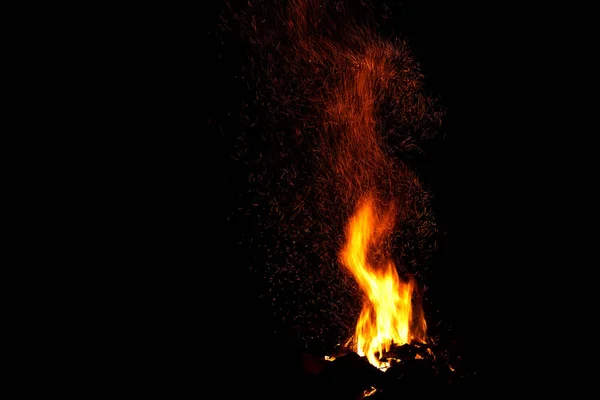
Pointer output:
387, 313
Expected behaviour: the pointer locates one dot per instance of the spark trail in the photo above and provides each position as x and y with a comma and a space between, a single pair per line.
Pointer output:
334, 108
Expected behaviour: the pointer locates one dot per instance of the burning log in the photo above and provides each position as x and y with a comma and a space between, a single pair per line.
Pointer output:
413, 368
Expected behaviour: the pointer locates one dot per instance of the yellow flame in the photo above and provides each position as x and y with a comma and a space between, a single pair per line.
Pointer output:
387, 313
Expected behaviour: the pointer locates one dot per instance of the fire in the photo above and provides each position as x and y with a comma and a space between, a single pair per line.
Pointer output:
387, 313
343, 102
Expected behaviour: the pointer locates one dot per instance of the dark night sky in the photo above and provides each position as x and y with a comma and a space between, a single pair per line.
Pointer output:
482, 170
185, 186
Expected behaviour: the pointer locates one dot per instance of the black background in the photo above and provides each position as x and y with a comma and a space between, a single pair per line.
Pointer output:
167, 184
191, 185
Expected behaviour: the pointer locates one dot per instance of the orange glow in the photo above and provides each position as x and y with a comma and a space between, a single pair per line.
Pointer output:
387, 313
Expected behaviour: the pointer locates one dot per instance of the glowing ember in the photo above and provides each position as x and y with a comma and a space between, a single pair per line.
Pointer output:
368, 392
387, 314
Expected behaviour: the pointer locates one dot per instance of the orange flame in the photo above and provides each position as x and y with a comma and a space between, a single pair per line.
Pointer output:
387, 313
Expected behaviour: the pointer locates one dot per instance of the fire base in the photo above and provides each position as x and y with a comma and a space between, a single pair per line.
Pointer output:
416, 368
